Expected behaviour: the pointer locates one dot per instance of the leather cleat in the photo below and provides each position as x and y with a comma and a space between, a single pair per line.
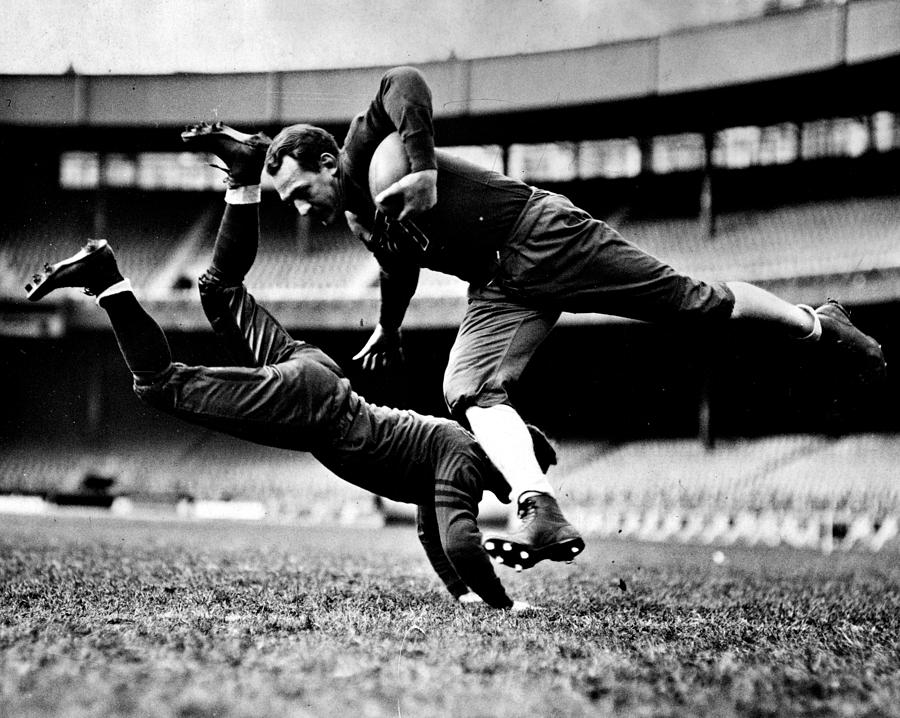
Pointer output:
861, 351
93, 265
244, 155
545, 535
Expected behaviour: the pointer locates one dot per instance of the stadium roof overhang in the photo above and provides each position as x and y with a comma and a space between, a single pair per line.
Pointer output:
817, 62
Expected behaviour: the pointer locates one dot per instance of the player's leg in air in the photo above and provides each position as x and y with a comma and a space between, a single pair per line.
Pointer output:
495, 341
94, 269
828, 324
605, 273
250, 335
248, 400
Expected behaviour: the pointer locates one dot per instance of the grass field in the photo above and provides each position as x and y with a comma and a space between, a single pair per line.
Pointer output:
105, 618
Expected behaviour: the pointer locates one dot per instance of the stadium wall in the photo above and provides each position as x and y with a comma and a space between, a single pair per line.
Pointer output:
831, 40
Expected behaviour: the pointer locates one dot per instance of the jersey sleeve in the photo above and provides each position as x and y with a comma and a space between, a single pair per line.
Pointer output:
403, 105
429, 537
456, 495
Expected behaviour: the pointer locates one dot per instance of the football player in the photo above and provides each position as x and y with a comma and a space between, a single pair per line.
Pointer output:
528, 255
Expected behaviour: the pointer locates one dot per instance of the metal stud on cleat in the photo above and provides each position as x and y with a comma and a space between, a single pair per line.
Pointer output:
518, 568
523, 555
575, 549
498, 560
507, 547
489, 546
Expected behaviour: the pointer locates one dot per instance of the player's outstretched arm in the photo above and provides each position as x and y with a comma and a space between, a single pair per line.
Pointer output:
457, 492
385, 347
427, 530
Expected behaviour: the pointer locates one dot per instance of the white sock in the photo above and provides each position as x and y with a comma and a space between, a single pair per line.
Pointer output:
507, 442
121, 286
250, 194
816, 332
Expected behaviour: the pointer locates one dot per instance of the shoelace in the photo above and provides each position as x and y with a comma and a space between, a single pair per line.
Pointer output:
527, 508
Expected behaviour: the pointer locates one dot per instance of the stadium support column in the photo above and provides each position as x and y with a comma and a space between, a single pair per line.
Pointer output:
101, 196
704, 413
93, 421
707, 207
643, 190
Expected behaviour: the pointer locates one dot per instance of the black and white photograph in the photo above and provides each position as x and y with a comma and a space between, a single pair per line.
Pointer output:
417, 358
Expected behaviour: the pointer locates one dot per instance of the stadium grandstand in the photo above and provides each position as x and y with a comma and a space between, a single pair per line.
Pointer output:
755, 140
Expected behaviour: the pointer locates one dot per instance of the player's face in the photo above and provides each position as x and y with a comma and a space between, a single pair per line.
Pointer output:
314, 194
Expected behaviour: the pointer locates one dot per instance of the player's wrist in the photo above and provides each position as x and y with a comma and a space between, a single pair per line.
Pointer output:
389, 328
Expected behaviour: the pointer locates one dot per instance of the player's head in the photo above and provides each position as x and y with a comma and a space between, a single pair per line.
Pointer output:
303, 163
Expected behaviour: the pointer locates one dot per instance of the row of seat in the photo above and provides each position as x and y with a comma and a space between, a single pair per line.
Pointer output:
804, 240
150, 233
780, 473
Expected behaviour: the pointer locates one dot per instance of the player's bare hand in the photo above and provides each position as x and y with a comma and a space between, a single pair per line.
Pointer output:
384, 349
356, 228
409, 196
469, 598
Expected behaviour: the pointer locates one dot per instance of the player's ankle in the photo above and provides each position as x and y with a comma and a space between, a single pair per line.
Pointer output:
243, 194
117, 287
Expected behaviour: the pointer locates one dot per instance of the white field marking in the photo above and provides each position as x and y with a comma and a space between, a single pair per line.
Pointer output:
25, 505
243, 510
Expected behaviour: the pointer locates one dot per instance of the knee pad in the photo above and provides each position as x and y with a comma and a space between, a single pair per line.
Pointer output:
462, 391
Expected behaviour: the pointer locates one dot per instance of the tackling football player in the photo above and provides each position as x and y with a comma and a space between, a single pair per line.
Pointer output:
286, 393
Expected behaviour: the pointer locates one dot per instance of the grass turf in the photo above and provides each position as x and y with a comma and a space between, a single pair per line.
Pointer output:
108, 618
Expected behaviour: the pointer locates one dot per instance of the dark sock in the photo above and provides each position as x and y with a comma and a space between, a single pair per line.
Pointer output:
141, 340
236, 243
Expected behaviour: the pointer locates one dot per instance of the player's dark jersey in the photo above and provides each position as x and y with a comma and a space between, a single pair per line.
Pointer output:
462, 234
292, 395
477, 208
435, 464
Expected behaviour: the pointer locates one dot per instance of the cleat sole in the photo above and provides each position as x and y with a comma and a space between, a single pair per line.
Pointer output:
510, 553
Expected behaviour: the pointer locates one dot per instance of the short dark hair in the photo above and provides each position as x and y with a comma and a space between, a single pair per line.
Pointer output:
305, 143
